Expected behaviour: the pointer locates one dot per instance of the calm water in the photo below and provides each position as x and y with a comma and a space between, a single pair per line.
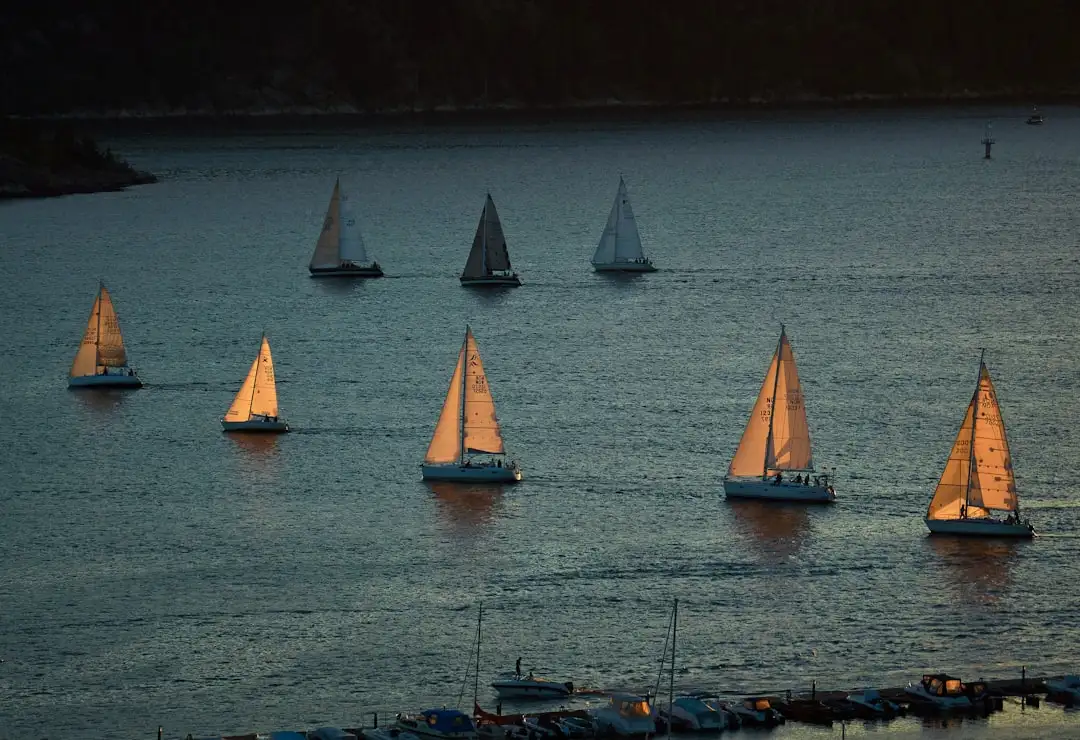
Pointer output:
154, 571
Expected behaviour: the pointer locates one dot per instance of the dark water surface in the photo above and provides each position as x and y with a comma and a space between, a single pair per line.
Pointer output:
154, 571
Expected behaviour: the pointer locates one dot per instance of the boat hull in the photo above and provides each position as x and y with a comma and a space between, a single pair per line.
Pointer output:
366, 272
490, 281
530, 689
980, 528
255, 425
105, 381
756, 488
624, 267
472, 473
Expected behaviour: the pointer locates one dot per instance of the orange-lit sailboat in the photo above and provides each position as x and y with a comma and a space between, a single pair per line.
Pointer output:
978, 479
102, 361
255, 408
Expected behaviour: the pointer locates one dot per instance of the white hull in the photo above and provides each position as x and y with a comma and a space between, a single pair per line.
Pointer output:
492, 280
523, 688
255, 425
476, 473
105, 381
372, 271
624, 267
980, 527
769, 490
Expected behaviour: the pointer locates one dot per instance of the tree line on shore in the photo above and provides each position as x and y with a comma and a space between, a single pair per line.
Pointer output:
66, 56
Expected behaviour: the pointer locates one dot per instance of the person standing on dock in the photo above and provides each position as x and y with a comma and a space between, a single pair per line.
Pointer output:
517, 667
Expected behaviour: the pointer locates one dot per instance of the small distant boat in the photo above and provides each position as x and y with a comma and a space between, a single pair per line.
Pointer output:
776, 441
1036, 117
1066, 689
489, 262
625, 715
757, 711
518, 686
870, 704
468, 427
620, 245
440, 724
101, 361
946, 692
978, 478
340, 251
255, 408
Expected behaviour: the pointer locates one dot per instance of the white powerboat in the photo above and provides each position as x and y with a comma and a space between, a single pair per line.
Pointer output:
1066, 689
625, 715
945, 692
692, 714
517, 686
757, 711
870, 704
441, 724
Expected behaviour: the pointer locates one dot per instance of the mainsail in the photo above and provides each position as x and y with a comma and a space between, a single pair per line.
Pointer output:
488, 253
777, 436
258, 394
102, 344
978, 476
620, 241
467, 424
340, 239
351, 241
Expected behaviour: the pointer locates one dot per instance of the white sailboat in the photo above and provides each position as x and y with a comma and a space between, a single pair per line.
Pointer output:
489, 262
340, 250
776, 441
102, 360
468, 427
978, 479
619, 249
255, 408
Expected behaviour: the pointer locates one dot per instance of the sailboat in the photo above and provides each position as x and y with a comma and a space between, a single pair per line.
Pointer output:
775, 444
102, 360
489, 262
468, 426
978, 478
340, 250
255, 408
620, 245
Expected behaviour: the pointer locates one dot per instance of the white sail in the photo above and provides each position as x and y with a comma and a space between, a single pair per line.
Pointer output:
102, 344
351, 242
978, 476
488, 253
620, 241
777, 435
258, 394
467, 424
326, 248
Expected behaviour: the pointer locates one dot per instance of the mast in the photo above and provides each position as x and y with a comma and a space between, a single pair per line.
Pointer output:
464, 371
483, 242
255, 380
971, 446
772, 411
671, 686
476, 677
97, 337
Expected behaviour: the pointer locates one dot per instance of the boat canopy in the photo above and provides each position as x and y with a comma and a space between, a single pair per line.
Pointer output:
447, 720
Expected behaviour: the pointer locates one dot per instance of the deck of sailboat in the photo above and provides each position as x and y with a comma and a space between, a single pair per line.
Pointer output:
471, 473
105, 381
768, 490
624, 267
255, 425
979, 528
363, 272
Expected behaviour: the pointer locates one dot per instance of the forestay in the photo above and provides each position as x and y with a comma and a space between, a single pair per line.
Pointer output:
258, 394
620, 241
102, 344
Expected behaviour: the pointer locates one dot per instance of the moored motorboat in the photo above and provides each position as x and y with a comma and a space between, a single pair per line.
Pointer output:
625, 715
731, 718
870, 704
690, 713
757, 711
1065, 689
517, 686
441, 724
946, 692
